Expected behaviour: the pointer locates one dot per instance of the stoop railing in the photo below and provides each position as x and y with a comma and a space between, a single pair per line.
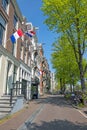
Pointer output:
15, 90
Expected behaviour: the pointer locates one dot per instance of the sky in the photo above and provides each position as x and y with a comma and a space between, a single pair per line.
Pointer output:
31, 10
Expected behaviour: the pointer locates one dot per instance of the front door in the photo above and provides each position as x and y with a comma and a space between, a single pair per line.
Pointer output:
24, 88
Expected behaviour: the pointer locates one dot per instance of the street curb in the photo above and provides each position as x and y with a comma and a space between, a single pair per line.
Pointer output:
75, 107
29, 121
80, 111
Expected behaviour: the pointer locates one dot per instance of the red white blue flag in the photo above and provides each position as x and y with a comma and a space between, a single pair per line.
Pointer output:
16, 35
30, 33
41, 72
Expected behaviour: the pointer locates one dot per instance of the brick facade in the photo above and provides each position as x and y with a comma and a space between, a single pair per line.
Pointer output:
23, 52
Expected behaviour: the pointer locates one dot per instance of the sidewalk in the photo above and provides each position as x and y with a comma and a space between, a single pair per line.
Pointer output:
16, 120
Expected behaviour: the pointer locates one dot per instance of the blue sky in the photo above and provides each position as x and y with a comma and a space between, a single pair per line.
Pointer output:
31, 10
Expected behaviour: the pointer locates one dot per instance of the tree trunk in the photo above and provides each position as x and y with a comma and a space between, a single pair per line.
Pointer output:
82, 76
70, 87
61, 84
82, 81
73, 86
64, 87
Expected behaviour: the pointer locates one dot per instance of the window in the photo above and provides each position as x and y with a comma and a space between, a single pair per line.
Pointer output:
2, 29
8, 85
29, 61
28, 26
26, 58
14, 49
0, 61
14, 74
21, 56
15, 21
5, 4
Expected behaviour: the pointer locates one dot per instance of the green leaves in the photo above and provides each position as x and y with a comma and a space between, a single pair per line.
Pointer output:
61, 14
68, 17
63, 60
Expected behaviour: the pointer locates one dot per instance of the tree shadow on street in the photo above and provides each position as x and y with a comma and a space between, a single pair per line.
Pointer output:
57, 125
57, 100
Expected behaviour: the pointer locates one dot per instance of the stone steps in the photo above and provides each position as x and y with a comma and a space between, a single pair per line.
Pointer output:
5, 107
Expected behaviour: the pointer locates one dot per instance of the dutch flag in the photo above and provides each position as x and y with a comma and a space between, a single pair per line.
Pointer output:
30, 33
16, 35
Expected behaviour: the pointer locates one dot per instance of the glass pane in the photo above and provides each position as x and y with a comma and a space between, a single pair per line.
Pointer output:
2, 21
2, 30
15, 21
5, 4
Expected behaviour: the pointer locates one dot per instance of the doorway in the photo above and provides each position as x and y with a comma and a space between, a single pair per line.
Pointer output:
24, 88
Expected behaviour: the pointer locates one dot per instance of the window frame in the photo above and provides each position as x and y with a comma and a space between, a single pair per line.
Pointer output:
5, 4
15, 21
3, 29
21, 53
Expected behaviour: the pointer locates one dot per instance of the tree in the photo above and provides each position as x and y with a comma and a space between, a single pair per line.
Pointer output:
63, 60
69, 17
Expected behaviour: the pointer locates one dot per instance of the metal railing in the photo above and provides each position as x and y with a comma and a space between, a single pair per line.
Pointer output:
15, 90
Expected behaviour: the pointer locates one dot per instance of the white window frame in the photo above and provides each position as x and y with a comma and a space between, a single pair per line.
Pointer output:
21, 56
29, 61
5, 5
26, 58
14, 49
3, 26
15, 21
